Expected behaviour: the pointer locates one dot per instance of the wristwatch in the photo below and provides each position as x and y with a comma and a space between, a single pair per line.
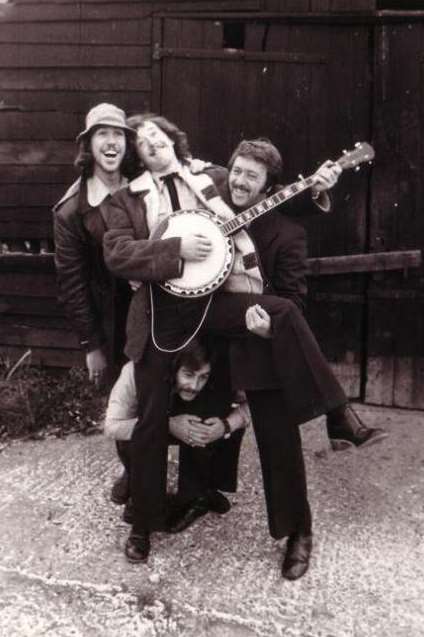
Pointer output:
227, 429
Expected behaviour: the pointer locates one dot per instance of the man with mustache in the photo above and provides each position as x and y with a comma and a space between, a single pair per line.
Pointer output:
204, 421
285, 374
253, 171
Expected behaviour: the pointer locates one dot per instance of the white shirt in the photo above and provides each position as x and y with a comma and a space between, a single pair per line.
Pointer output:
121, 412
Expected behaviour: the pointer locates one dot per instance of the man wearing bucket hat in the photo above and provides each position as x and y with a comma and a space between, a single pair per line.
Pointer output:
96, 303
86, 287
105, 115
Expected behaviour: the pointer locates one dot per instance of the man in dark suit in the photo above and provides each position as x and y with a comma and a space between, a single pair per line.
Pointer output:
285, 374
282, 247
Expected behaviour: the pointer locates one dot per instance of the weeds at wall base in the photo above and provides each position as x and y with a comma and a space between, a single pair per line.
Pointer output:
36, 403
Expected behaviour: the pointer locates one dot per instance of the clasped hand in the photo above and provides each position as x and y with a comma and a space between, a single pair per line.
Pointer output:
195, 432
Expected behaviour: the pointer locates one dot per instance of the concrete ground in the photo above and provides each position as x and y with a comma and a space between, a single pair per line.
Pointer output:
63, 572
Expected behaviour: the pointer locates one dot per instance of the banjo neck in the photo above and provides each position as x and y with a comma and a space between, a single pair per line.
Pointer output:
362, 152
242, 218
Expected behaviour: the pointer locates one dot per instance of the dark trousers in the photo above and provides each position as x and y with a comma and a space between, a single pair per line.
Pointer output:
283, 470
124, 454
291, 362
210, 468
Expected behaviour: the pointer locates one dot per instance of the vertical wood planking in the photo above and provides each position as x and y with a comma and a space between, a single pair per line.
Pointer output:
396, 338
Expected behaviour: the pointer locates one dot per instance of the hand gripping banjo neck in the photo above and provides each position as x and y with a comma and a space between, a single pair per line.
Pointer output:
352, 159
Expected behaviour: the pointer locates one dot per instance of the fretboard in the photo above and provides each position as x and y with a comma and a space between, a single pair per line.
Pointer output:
231, 226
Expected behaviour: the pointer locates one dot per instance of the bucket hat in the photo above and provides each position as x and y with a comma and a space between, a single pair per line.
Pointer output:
105, 115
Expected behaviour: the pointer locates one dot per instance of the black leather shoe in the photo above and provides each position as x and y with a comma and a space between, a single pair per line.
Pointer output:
121, 489
184, 517
218, 503
137, 547
346, 429
298, 553
128, 512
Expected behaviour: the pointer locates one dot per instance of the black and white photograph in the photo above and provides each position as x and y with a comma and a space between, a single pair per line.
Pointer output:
211, 318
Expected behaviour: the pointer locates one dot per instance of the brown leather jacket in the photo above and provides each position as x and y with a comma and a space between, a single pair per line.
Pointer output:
87, 290
130, 254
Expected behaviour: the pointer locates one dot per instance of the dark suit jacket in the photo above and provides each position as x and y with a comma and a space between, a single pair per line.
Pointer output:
282, 247
281, 243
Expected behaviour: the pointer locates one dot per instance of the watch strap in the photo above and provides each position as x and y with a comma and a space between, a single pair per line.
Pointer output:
227, 429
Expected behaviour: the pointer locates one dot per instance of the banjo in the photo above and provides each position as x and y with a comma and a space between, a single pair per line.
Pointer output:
204, 277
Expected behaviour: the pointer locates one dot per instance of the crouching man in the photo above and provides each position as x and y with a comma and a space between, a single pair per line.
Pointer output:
204, 420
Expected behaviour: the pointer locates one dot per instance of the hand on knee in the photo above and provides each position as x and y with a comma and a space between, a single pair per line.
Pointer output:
258, 321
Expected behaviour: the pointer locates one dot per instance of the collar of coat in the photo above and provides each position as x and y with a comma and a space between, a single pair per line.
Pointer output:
142, 183
96, 192
201, 185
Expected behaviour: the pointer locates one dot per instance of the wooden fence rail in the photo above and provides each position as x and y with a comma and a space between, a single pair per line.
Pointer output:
318, 266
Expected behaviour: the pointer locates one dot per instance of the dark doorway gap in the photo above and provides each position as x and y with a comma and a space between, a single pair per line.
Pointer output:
401, 5
233, 35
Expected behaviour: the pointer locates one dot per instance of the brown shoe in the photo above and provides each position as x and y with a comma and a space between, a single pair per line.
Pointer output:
346, 429
137, 547
298, 553
121, 489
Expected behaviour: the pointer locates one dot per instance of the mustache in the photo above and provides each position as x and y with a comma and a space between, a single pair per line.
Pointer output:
157, 145
242, 188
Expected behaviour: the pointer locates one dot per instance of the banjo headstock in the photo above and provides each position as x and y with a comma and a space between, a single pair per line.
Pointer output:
363, 152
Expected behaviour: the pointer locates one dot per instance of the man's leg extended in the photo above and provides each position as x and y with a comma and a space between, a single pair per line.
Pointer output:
290, 360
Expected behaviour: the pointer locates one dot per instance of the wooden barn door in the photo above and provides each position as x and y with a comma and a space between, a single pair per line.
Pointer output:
395, 362
306, 86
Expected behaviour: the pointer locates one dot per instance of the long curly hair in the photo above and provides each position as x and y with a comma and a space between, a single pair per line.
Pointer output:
84, 160
179, 137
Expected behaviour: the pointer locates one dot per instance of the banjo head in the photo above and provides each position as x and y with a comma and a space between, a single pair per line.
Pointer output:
199, 278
